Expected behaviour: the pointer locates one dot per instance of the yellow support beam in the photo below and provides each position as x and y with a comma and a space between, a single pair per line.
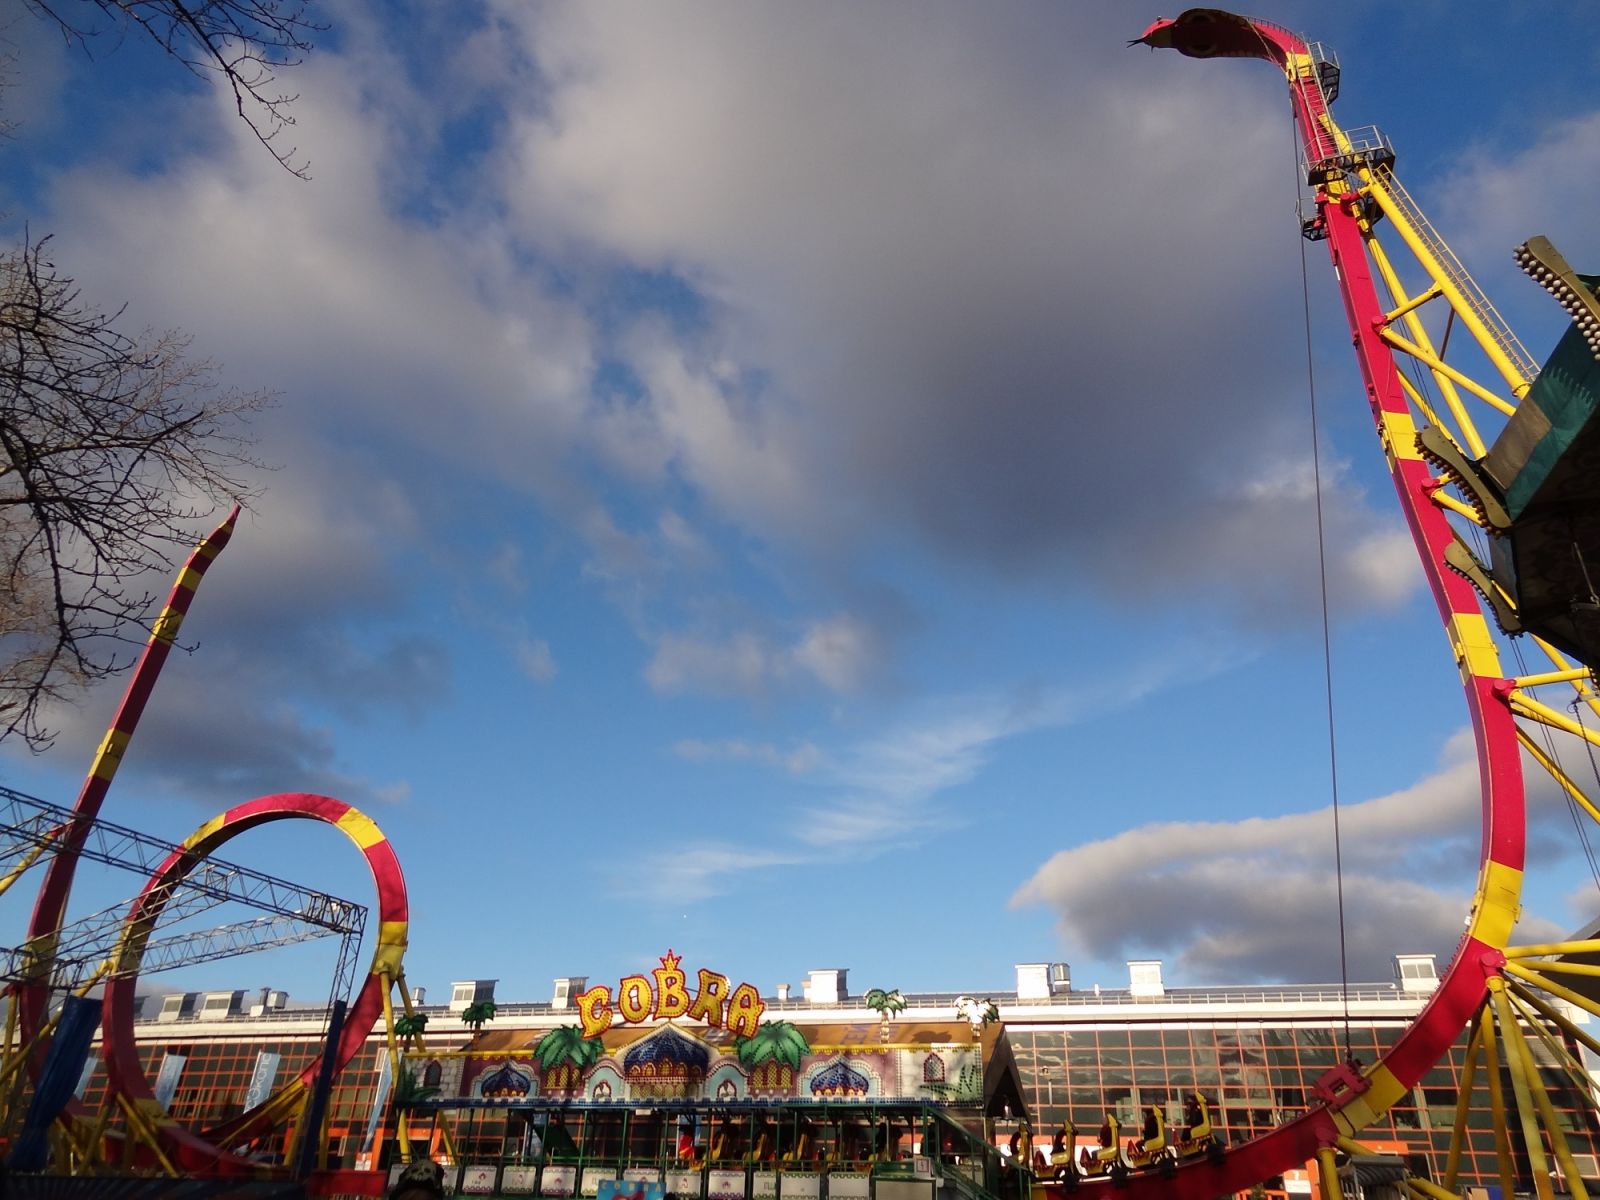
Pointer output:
1432, 292
1542, 1102
1551, 1013
1518, 1059
1497, 1107
1430, 1190
1570, 675
1379, 190
1576, 1075
142, 1127
1591, 970
1446, 501
394, 1062
1327, 1174
1524, 706
28, 859
1553, 769
1458, 1130
1439, 367
1545, 983
1418, 331
1560, 662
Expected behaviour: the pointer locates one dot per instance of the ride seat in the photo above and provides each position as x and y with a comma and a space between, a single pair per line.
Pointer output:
1112, 1150
1062, 1146
1158, 1141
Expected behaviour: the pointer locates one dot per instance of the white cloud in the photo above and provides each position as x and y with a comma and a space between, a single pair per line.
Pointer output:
689, 874
884, 792
799, 760
533, 658
354, 311
1498, 198
1257, 898
841, 653
683, 542
888, 791
743, 663
734, 449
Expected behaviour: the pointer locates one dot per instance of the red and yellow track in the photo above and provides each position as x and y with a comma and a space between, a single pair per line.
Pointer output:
1348, 1100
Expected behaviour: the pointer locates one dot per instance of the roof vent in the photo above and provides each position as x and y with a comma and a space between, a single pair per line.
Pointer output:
464, 993
827, 986
1416, 973
567, 990
1144, 978
1033, 981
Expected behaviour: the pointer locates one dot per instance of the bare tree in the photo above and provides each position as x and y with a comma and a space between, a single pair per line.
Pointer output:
245, 42
112, 448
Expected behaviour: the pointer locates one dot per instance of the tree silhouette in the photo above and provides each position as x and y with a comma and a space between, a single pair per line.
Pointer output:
112, 448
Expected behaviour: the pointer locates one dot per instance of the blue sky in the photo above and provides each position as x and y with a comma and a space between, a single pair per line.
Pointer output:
810, 486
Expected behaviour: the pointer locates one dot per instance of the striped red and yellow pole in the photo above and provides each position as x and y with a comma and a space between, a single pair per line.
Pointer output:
50, 907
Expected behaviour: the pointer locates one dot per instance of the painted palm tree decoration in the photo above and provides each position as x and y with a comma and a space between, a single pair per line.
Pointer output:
968, 1085
475, 1015
409, 1089
772, 1055
977, 1013
565, 1055
886, 1005
411, 1025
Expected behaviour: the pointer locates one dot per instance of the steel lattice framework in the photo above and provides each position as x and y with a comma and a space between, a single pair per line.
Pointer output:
31, 828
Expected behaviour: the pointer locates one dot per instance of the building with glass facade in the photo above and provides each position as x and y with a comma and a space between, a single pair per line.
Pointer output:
1049, 1058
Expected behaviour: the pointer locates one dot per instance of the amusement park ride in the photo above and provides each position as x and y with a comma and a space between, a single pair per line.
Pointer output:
1494, 461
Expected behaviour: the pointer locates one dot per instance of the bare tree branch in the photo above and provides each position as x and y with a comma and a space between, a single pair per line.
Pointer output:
246, 42
111, 449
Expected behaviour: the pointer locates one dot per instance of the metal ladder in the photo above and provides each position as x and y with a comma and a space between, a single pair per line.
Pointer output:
1451, 267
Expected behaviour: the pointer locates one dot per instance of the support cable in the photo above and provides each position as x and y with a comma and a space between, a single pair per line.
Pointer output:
1583, 833
1579, 825
1327, 639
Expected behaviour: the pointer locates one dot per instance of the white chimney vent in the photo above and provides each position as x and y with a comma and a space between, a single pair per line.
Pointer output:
826, 986
1144, 978
1033, 981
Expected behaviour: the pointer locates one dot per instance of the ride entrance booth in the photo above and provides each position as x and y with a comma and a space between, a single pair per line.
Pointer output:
773, 1110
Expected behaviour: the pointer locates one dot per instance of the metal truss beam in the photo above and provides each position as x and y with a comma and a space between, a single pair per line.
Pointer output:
27, 823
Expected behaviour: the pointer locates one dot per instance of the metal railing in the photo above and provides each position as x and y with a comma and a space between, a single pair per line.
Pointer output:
1471, 294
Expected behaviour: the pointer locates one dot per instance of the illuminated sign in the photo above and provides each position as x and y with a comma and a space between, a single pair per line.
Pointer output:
736, 1009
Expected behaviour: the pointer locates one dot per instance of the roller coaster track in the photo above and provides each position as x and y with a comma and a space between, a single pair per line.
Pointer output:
1504, 997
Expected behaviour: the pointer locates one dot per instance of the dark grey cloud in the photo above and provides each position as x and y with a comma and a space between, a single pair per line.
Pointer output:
995, 284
